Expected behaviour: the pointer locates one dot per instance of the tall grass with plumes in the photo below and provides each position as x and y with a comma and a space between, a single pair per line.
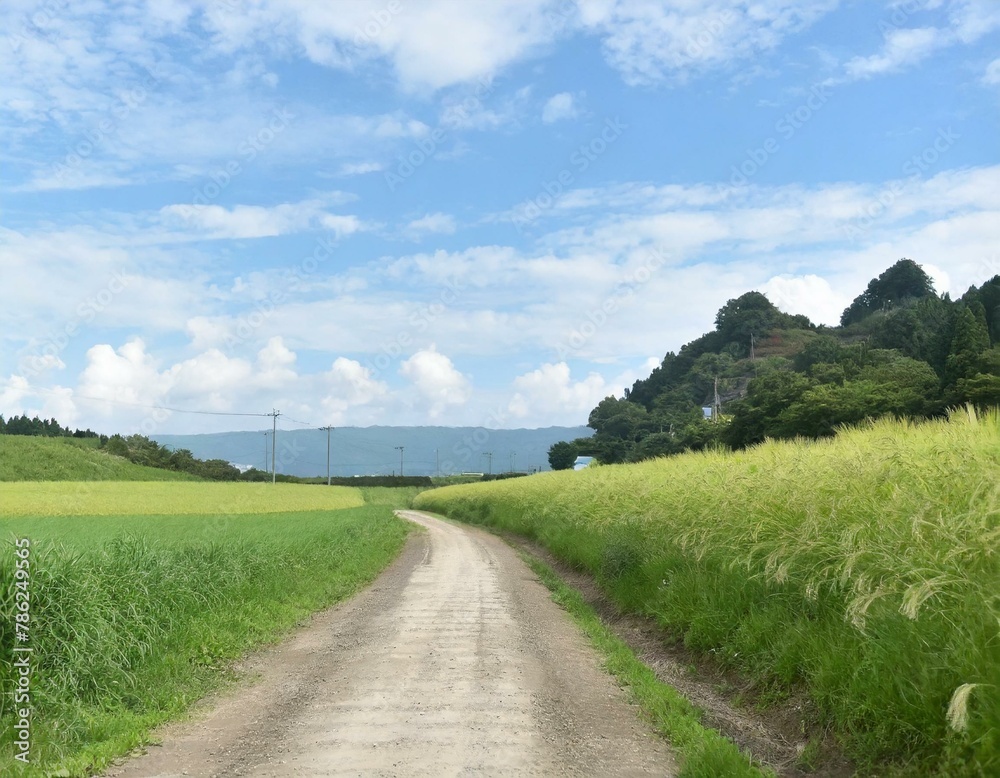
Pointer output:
133, 618
865, 569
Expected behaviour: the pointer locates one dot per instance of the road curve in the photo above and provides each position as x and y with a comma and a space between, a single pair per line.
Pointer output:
454, 662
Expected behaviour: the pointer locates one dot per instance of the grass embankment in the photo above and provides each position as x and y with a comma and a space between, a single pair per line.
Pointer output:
25, 458
135, 617
705, 753
864, 569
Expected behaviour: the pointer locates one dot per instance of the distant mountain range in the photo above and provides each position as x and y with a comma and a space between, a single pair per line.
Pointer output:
373, 450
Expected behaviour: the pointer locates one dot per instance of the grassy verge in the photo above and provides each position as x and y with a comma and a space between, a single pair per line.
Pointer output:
862, 569
133, 618
703, 753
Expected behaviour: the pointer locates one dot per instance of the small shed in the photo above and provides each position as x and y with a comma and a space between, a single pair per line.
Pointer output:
582, 462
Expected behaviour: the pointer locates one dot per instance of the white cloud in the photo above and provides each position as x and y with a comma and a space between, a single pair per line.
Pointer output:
436, 380
992, 74
360, 168
481, 37
667, 41
903, 48
12, 393
808, 295
440, 223
255, 221
209, 381
549, 395
560, 106
275, 365
126, 375
349, 384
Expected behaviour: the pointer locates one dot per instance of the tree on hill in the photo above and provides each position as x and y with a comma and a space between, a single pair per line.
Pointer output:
753, 314
921, 354
904, 281
562, 455
757, 416
969, 344
921, 331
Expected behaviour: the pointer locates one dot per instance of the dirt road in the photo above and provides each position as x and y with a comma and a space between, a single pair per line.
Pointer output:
455, 662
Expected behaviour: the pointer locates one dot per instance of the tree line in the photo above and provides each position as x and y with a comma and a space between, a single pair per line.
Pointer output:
36, 427
900, 350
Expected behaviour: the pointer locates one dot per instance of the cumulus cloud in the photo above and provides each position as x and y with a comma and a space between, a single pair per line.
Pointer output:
549, 395
127, 374
436, 380
275, 364
808, 295
349, 384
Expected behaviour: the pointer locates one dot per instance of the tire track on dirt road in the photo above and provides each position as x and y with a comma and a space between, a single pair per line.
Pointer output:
454, 662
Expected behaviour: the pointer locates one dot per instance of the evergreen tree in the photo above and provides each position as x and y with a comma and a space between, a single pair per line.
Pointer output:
970, 341
904, 281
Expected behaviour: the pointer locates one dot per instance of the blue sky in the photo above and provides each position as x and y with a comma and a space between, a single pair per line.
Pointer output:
459, 213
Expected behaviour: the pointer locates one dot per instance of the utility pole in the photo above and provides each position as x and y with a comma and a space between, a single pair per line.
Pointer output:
437, 462
716, 405
274, 441
327, 453
753, 356
513, 460
265, 452
489, 458
400, 449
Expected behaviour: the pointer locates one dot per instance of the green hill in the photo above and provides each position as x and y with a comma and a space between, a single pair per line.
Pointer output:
25, 458
900, 351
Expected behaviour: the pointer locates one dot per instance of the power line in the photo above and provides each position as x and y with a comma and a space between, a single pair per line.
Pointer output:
303, 423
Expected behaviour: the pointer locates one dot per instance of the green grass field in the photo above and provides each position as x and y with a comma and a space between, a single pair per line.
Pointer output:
864, 569
69, 459
109, 498
135, 615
